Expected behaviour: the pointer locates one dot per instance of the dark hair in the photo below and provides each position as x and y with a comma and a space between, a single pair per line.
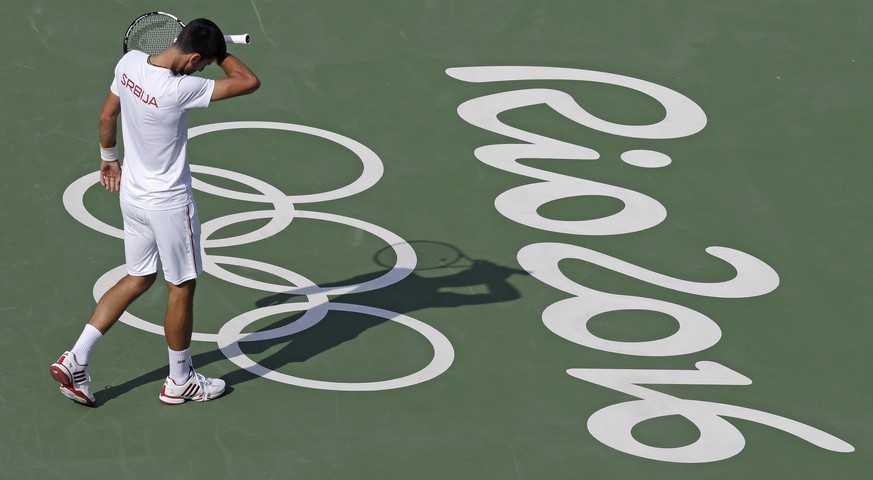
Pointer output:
204, 37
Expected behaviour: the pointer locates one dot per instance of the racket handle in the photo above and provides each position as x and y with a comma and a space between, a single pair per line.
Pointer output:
243, 39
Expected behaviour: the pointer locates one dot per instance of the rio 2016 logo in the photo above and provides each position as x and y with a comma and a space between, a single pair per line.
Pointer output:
568, 318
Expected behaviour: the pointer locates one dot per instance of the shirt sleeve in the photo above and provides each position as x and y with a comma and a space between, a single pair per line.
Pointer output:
195, 92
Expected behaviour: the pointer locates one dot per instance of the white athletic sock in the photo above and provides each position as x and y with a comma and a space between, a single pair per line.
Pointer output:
89, 337
180, 365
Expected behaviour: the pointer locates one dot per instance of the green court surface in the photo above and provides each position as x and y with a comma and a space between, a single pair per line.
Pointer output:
662, 271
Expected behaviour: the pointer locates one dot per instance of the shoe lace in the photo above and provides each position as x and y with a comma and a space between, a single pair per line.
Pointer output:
202, 382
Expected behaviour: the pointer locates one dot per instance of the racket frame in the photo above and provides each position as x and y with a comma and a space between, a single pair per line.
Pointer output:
138, 19
242, 39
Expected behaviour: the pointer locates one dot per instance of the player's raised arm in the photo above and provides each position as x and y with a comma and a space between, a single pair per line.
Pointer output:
240, 80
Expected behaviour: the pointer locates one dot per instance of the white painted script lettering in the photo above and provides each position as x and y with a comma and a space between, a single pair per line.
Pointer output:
697, 332
718, 439
569, 318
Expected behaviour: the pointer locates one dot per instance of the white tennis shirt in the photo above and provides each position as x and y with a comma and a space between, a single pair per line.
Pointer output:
154, 125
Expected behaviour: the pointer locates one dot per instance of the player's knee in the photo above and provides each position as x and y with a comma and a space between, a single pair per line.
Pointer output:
185, 288
141, 283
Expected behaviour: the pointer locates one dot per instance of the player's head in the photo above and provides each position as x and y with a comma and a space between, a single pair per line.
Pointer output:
203, 37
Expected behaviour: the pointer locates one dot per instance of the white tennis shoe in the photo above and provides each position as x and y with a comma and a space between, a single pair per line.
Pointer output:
74, 379
196, 388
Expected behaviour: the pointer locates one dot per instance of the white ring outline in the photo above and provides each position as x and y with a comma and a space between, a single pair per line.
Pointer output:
74, 202
282, 213
442, 359
373, 168
403, 266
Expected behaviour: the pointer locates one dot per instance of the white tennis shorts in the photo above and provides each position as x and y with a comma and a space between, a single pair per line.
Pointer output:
162, 238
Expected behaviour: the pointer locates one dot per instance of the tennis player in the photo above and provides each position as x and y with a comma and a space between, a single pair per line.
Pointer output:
153, 95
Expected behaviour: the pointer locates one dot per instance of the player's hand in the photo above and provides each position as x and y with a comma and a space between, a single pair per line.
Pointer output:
110, 175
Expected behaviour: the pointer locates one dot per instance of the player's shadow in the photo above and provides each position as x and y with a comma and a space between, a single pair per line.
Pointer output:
448, 279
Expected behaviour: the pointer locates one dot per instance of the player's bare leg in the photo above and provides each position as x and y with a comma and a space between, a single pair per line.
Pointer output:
116, 300
184, 383
179, 319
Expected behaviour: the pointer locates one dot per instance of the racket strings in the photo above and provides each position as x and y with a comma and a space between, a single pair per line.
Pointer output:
153, 34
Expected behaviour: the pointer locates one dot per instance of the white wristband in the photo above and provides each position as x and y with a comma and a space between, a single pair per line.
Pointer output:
109, 154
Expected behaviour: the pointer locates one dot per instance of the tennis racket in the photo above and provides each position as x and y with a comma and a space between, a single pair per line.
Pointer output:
153, 32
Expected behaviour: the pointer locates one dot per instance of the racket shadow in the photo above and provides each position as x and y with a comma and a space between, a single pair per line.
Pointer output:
468, 283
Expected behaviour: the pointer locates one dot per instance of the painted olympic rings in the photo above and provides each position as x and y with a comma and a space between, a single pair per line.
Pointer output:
280, 213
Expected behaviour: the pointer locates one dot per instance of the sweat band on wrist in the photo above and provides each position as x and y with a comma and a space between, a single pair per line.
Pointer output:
109, 154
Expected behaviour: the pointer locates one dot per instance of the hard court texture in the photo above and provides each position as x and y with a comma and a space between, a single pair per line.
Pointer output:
658, 266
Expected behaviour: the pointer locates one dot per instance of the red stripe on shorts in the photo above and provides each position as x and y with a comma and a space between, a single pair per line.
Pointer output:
191, 238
